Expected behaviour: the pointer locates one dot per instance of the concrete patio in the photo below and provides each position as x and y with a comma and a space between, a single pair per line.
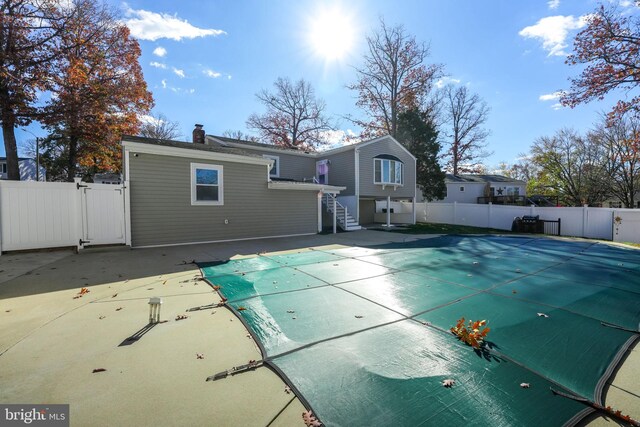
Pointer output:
51, 341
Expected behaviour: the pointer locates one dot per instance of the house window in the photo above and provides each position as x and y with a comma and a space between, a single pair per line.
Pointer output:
462, 188
275, 168
322, 171
4, 168
206, 184
388, 170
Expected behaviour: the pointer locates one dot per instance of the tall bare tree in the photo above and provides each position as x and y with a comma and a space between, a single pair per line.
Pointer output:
158, 126
621, 161
394, 78
295, 118
465, 115
28, 30
238, 134
572, 165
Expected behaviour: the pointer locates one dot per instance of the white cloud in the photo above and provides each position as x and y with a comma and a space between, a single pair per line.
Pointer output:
178, 72
553, 4
551, 96
148, 119
338, 138
158, 65
164, 83
146, 25
445, 81
160, 51
553, 32
212, 74
556, 106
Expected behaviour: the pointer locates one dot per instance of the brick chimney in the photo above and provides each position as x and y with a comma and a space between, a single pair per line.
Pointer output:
198, 135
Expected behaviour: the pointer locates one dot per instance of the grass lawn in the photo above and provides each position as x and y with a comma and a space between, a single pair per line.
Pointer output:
433, 228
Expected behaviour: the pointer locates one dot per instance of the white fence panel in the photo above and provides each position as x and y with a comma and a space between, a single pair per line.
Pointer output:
38, 215
594, 223
103, 214
627, 228
502, 216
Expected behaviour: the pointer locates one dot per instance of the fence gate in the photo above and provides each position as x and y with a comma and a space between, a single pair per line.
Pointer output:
102, 214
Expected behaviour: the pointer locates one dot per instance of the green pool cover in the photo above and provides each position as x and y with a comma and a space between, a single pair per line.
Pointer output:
362, 334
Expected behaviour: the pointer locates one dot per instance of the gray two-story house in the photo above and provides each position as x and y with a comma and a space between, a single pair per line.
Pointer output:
217, 189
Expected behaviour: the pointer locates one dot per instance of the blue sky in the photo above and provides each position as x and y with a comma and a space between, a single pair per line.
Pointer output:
204, 61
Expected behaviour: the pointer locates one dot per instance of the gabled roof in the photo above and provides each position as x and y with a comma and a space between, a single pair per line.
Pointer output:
231, 142
480, 179
198, 150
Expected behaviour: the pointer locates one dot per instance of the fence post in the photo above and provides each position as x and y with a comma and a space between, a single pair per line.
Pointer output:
455, 213
0, 219
585, 213
532, 210
489, 215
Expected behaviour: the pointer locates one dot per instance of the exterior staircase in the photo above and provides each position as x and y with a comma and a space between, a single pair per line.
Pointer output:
343, 218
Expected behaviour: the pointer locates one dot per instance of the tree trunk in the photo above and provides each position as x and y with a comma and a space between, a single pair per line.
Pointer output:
11, 149
73, 154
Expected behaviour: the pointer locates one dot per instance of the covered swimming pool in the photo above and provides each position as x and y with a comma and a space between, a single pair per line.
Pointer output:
362, 334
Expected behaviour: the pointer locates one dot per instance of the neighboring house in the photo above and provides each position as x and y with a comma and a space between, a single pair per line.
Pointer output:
107, 178
614, 202
474, 188
227, 189
27, 169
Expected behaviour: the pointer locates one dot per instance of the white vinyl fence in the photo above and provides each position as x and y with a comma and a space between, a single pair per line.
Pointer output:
35, 215
595, 223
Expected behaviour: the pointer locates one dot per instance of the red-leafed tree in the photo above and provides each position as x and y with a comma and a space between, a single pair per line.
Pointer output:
27, 31
394, 78
609, 46
98, 92
295, 118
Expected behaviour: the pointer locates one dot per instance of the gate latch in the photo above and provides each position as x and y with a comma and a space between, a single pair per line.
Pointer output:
82, 242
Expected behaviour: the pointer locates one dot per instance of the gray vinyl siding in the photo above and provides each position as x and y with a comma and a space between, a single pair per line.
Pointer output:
342, 171
292, 166
161, 210
385, 146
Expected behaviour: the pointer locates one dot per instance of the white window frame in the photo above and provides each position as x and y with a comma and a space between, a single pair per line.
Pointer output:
276, 159
219, 168
382, 182
326, 175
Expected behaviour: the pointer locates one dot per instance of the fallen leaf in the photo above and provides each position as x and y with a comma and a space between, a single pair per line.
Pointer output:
287, 389
524, 385
98, 370
543, 315
181, 317
291, 311
514, 291
216, 287
310, 420
199, 356
114, 295
448, 383
359, 317
119, 308
101, 317
164, 283
241, 308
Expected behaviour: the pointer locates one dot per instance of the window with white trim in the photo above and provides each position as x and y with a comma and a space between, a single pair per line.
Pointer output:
4, 168
206, 184
388, 170
275, 168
